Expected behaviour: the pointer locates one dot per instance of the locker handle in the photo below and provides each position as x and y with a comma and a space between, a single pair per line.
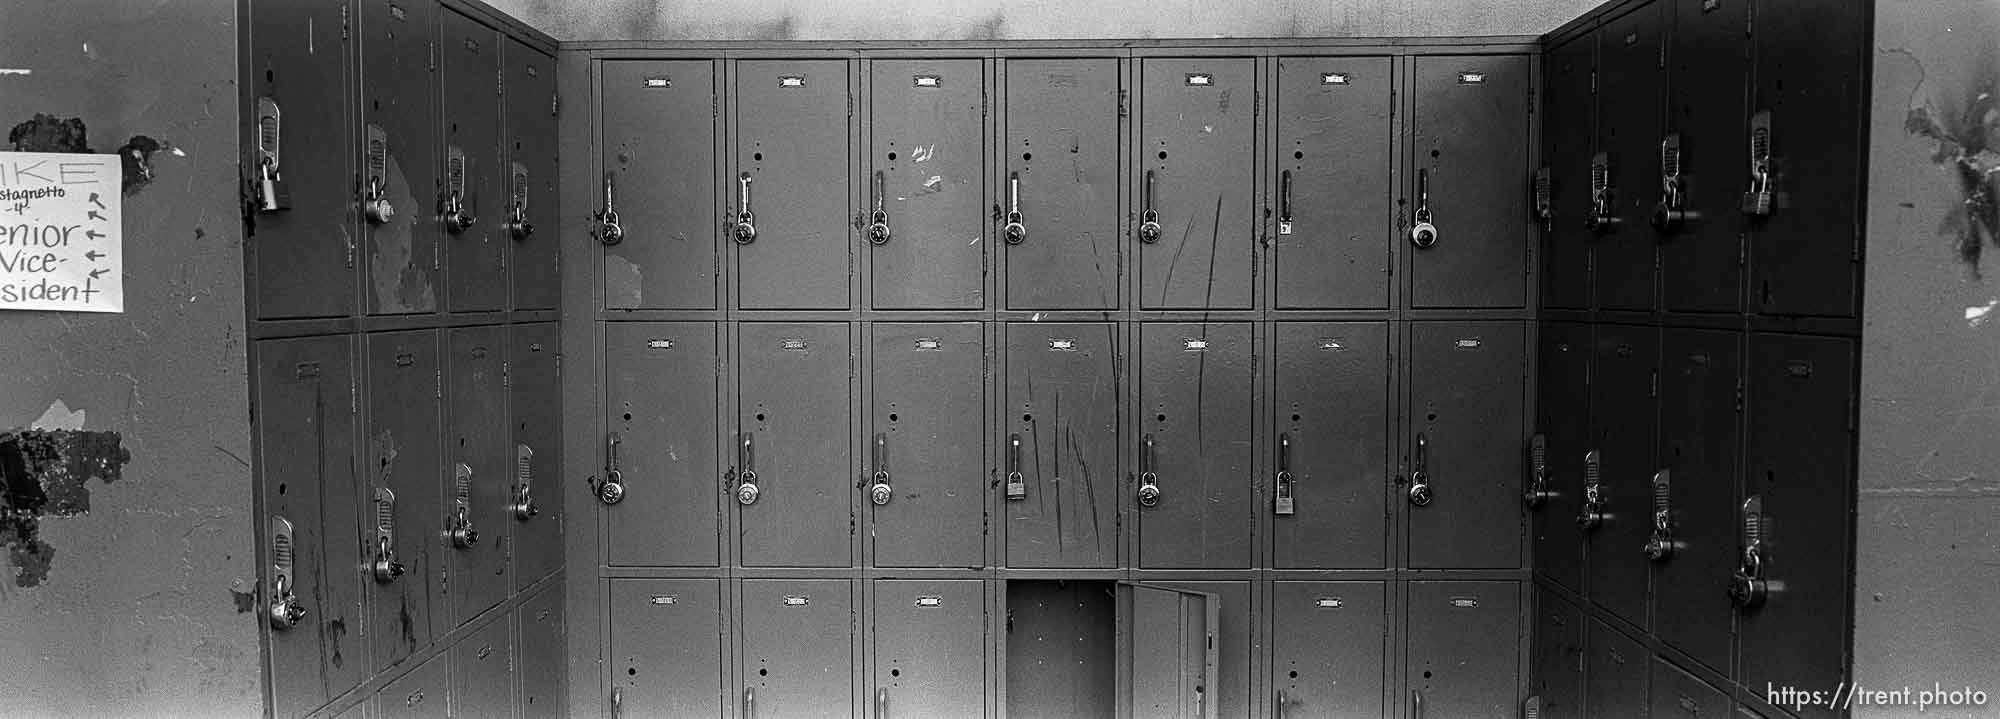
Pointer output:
517, 224
1149, 220
1017, 487
750, 703
747, 490
612, 491
746, 221
1538, 492
617, 702
271, 193
1423, 234
1420, 476
1149, 481
1285, 203
1592, 513
881, 492
1758, 200
285, 610
375, 205
1749, 588
384, 567
456, 216
1671, 214
1416, 704
608, 230
459, 526
524, 507
1601, 217
882, 703
1660, 546
1545, 204
1283, 503
878, 222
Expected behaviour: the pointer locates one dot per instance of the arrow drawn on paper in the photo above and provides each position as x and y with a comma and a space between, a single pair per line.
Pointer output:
93, 200
93, 255
95, 216
93, 234
99, 272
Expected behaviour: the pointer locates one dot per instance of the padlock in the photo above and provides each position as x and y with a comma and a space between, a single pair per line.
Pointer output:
1420, 491
611, 491
286, 611
376, 206
1149, 490
272, 193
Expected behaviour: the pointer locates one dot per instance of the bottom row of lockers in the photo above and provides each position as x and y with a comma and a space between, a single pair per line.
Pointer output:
1585, 668
511, 666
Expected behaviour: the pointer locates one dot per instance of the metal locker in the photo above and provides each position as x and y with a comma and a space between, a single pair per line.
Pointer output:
1173, 637
1463, 493
1569, 115
301, 162
790, 194
660, 399
424, 693
542, 654
1198, 220
1062, 224
1229, 689
534, 508
1329, 483
667, 649
482, 671
1701, 266
529, 177
399, 161
1632, 78
1557, 682
1330, 648
1556, 470
1196, 494
1614, 674
479, 472
1675, 694
927, 445
798, 644
1471, 144
929, 649
1616, 512
925, 197
1463, 649
657, 211
1701, 454
1333, 155
357, 711
792, 480
1062, 379
306, 460
404, 510
470, 203
1062, 649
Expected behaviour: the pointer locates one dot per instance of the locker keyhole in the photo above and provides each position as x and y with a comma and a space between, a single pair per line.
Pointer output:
760, 416
892, 416
895, 672
1295, 416
1026, 156
759, 157
892, 157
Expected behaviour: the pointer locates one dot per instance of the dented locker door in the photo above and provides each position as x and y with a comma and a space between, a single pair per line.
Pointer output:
1196, 401
1465, 414
1471, 144
798, 648
1675, 694
1557, 683
792, 431
1569, 122
927, 445
1701, 449
482, 671
1229, 688
400, 163
1332, 407
666, 648
307, 461
662, 185
660, 399
479, 471
930, 649
1330, 649
926, 189
1333, 153
1624, 422
470, 202
1463, 649
1172, 654
1062, 407
302, 240
543, 655
424, 693
535, 477
1701, 267
1197, 183
1564, 402
1614, 673
529, 177
1629, 131
1068, 252
791, 124
405, 509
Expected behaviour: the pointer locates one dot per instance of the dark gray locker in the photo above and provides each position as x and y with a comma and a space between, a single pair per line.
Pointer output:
404, 511
1675, 694
424, 693
535, 479
660, 395
1061, 653
1629, 132
301, 244
1463, 649
357, 711
543, 655
470, 202
307, 462
482, 671
662, 184
1332, 407
1564, 402
1471, 144
1198, 220
1624, 423
1465, 415
798, 643
1330, 648
792, 432
929, 649
529, 179
927, 445
1062, 385
399, 162
1557, 682
1173, 652
1701, 449
791, 127
1229, 689
479, 471
1700, 264
1197, 396
1569, 114
666, 648
928, 155
1614, 673
1333, 152
1068, 252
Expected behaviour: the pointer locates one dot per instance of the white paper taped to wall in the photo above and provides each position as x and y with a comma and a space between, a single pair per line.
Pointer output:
61, 244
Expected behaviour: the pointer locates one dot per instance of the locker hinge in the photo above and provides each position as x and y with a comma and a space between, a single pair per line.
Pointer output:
555, 104
506, 371
343, 22
1593, 82
500, 82
1855, 254
714, 107
1739, 396
558, 372
1256, 108
1742, 249
432, 58
437, 383
1124, 109
437, 256
1654, 392
850, 105
353, 396
1663, 56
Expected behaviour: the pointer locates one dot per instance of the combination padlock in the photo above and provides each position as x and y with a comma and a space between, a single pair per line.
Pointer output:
456, 219
1149, 490
747, 492
880, 493
463, 536
286, 611
1015, 232
612, 490
1420, 490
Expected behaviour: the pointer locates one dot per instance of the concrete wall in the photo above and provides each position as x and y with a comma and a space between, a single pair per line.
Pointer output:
143, 606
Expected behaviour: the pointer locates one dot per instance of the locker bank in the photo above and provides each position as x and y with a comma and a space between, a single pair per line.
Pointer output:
1432, 359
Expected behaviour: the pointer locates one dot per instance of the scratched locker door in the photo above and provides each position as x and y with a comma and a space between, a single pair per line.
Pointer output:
406, 477
1701, 267
1614, 673
471, 206
660, 399
424, 693
927, 451
302, 250
793, 397
1197, 225
926, 193
1061, 223
663, 193
534, 479
529, 177
1333, 153
798, 648
482, 671
543, 654
1701, 449
1228, 687
1196, 401
1564, 402
1464, 650
1569, 119
399, 164
929, 649
1465, 439
1631, 82
1624, 424
666, 648
479, 471
791, 159
1676, 694
1558, 657
1061, 439
1471, 145
1330, 649
1332, 406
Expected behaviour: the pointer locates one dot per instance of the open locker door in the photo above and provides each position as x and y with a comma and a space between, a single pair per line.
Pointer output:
1170, 640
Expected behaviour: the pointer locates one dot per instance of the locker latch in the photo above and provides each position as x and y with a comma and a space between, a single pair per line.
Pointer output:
517, 223
524, 483
1285, 203
1017, 488
1283, 503
1748, 589
1420, 476
1545, 203
746, 221
385, 567
1149, 220
1149, 481
286, 611
457, 219
878, 221
1602, 216
1759, 200
1538, 473
272, 195
880, 493
1671, 214
746, 489
459, 526
608, 230
1591, 515
1423, 234
1015, 231
612, 490
375, 204
1660, 546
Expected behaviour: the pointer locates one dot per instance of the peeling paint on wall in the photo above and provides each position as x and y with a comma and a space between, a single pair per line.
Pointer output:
45, 473
45, 133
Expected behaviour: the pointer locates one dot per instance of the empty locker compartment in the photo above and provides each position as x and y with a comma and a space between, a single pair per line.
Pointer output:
1468, 231
480, 471
1701, 268
1463, 492
1330, 649
1329, 485
1630, 96
535, 508
1061, 649
927, 495
542, 654
405, 510
399, 162
302, 164
1569, 116
1184, 655
928, 657
1557, 464
791, 472
656, 217
1333, 150
1617, 507
424, 693
790, 188
797, 648
1196, 181
482, 670
1062, 229
1060, 469
1614, 674
925, 192
529, 180
1196, 401
471, 206
1463, 649
1556, 684
660, 405
1701, 456
1676, 694
666, 652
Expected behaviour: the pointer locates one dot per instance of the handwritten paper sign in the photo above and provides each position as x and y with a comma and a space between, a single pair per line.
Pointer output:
60, 239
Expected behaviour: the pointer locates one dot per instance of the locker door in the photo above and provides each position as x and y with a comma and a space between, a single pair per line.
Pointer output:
1173, 652
928, 156
1330, 649
1069, 254
791, 159
927, 444
666, 648
792, 420
302, 255
1471, 143
470, 201
1678, 695
1700, 269
1701, 449
1558, 678
482, 671
1332, 157
1333, 422
1568, 127
660, 399
535, 500
1229, 688
1465, 410
1614, 673
1463, 651
1062, 379
1198, 221
1624, 423
357, 711
662, 184
405, 489
1629, 132
530, 177
306, 459
543, 656
798, 644
1196, 493
399, 157
479, 471
424, 693
930, 649
1565, 426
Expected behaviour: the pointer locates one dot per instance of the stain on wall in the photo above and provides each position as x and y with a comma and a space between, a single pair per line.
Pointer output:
47, 473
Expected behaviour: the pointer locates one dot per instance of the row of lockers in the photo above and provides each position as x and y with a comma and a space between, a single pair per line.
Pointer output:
511, 667
1583, 667
1065, 183
915, 444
